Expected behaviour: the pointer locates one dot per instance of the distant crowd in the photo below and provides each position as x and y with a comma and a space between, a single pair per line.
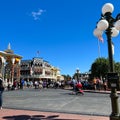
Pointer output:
95, 84
37, 84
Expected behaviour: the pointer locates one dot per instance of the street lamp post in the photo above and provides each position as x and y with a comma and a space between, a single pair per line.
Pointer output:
77, 71
111, 26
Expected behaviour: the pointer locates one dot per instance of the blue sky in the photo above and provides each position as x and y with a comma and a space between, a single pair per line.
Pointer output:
62, 30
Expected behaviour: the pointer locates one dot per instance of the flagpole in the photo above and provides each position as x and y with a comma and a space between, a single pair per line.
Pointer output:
38, 52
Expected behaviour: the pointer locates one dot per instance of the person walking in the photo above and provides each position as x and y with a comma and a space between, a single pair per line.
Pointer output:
95, 83
105, 84
1, 90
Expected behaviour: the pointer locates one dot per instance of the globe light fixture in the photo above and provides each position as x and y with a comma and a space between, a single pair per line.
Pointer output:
77, 70
108, 7
111, 27
114, 31
102, 24
117, 25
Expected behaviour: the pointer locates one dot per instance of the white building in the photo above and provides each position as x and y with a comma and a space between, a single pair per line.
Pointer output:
39, 69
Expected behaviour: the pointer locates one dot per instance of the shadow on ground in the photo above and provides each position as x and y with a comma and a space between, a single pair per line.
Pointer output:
34, 117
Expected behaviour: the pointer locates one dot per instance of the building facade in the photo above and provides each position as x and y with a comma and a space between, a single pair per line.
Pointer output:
12, 68
10, 65
39, 69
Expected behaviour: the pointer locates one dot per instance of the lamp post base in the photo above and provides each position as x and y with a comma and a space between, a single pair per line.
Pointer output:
115, 107
114, 117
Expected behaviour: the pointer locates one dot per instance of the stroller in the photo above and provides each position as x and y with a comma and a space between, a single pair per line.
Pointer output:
79, 89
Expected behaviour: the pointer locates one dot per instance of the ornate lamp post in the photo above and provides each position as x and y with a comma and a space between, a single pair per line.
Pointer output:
111, 26
77, 73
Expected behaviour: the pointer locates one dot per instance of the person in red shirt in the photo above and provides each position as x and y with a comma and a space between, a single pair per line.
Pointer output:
79, 88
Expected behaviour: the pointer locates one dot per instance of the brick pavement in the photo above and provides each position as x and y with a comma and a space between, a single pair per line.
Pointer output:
13, 114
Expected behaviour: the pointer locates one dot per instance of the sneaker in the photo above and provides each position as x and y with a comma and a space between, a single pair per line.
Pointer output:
0, 108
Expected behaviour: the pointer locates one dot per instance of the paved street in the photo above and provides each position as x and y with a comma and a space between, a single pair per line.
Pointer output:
57, 100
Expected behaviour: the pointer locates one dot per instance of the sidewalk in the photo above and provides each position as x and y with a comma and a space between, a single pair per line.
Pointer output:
12, 114
94, 91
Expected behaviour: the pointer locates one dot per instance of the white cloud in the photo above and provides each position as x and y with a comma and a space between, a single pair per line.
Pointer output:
36, 15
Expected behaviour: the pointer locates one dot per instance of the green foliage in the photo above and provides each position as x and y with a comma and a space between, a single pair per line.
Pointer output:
100, 67
117, 67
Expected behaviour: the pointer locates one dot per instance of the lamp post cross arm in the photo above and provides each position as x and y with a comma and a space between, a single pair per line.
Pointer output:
118, 17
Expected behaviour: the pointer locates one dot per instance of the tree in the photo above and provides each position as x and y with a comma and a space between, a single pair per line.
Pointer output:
117, 67
100, 67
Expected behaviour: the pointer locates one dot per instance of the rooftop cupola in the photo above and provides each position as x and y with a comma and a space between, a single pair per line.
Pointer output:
8, 50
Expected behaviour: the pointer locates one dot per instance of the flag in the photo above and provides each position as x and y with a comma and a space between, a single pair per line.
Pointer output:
38, 52
101, 38
112, 48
